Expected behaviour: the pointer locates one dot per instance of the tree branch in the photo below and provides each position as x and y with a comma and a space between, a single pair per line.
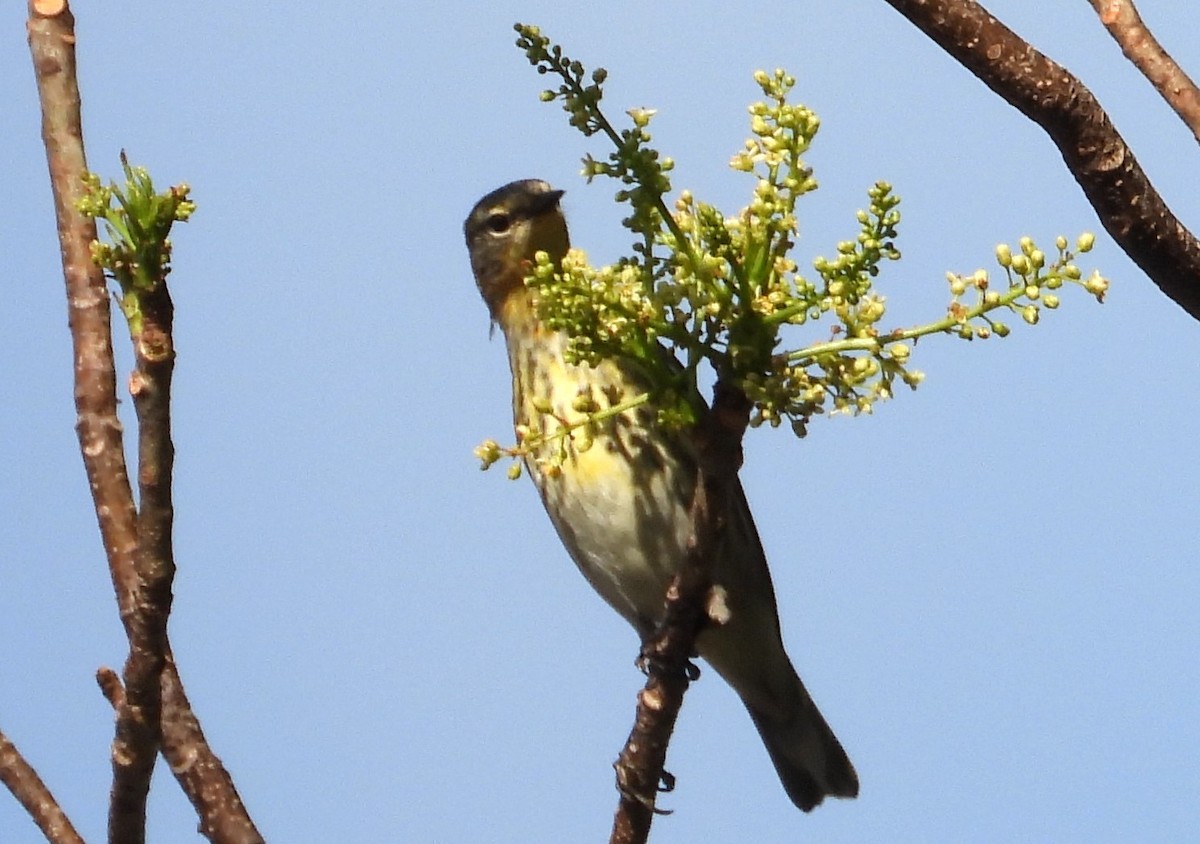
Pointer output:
200, 773
51, 30
52, 44
666, 654
152, 706
25, 784
1124, 24
1129, 208
223, 816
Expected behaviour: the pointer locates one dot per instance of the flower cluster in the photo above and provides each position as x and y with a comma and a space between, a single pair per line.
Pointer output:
720, 289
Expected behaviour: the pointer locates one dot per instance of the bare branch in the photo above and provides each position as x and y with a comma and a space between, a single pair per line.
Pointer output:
25, 784
640, 765
1121, 19
52, 43
1129, 207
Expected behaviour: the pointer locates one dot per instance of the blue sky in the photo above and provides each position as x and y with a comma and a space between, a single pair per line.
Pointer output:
989, 585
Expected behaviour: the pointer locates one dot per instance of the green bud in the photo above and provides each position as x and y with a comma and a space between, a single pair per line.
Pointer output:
1061, 243
1030, 314
583, 404
1032, 292
1020, 265
1001, 329
1026, 245
1085, 243
1050, 301
1038, 258
1004, 255
514, 471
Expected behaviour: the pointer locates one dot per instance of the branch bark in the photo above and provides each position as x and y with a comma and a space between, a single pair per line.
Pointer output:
666, 655
1129, 207
1124, 24
25, 784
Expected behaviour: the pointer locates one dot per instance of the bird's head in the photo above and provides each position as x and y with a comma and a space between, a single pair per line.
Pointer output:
505, 230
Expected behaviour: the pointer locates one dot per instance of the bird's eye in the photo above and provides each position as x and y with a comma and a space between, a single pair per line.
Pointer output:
499, 223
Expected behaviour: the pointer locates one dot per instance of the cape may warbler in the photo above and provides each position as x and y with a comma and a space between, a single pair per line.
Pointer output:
621, 502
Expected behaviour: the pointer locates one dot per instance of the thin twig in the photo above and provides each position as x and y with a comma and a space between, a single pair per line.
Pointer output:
1124, 24
1129, 207
25, 784
640, 765
110, 686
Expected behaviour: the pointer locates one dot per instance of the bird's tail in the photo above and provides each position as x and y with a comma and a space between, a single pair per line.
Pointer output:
808, 757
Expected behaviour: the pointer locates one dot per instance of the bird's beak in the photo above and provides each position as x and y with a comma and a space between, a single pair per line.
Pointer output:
546, 201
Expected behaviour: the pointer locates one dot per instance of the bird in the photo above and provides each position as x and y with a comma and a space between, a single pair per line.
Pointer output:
620, 496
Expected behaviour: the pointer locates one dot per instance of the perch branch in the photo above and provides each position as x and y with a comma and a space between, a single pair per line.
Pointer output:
665, 655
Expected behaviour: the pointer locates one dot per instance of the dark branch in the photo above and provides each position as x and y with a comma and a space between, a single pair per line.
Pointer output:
1124, 24
1129, 208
